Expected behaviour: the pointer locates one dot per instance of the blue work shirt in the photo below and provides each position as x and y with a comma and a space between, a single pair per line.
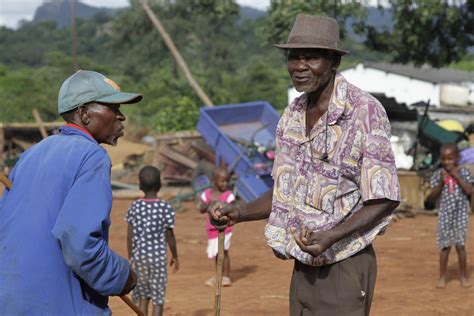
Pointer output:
54, 225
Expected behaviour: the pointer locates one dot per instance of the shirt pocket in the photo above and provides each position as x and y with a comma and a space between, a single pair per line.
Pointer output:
347, 195
322, 186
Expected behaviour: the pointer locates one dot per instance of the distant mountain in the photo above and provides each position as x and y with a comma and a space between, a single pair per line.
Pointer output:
251, 13
60, 11
380, 19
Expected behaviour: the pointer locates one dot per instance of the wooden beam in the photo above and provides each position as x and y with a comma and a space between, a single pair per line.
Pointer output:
2, 145
177, 56
21, 143
177, 157
40, 123
180, 135
31, 125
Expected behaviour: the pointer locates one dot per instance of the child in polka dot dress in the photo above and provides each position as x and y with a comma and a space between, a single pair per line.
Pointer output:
150, 227
453, 185
222, 194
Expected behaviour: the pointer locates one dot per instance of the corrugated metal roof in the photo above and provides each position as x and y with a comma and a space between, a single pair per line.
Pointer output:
425, 73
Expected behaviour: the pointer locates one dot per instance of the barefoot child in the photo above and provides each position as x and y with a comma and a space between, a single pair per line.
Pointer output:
452, 184
150, 227
222, 194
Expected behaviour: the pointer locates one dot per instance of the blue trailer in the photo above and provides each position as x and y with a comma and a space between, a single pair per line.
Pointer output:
243, 135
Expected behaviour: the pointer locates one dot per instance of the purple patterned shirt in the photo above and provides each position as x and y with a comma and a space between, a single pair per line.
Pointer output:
322, 193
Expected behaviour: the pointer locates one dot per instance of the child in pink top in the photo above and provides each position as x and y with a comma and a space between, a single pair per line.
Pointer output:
222, 194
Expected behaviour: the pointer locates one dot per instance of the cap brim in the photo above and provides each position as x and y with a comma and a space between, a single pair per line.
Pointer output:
309, 45
121, 98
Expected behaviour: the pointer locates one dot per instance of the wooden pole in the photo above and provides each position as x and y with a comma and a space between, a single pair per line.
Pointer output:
6, 182
2, 144
40, 123
131, 305
177, 56
220, 265
72, 13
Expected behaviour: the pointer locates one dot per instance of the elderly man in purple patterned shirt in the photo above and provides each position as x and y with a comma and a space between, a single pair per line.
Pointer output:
335, 180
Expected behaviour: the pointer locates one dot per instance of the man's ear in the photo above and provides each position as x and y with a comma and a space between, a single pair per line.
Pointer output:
83, 115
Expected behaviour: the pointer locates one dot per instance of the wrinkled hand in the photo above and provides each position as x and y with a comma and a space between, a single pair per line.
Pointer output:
174, 263
130, 284
223, 215
314, 243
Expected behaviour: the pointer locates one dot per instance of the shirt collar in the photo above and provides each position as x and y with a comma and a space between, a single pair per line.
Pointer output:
73, 129
337, 103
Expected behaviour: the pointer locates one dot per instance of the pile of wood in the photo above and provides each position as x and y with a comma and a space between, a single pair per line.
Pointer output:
18, 137
180, 156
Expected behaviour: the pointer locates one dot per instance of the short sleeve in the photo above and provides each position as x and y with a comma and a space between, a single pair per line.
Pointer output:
466, 175
169, 216
230, 198
206, 196
129, 218
435, 178
379, 179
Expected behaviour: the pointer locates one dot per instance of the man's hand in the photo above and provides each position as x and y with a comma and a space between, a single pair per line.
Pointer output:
223, 215
130, 284
174, 263
314, 243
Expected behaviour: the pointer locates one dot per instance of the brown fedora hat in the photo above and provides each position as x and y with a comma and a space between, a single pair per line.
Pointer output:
311, 31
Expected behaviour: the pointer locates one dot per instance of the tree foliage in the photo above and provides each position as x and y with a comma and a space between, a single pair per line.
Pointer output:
282, 13
426, 31
232, 58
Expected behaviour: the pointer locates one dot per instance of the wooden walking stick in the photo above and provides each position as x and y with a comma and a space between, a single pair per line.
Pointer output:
131, 305
220, 264
8, 184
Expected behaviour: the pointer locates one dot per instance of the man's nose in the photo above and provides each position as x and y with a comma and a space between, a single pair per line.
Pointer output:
300, 64
121, 116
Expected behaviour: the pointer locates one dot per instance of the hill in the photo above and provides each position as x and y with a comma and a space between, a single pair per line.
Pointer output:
60, 11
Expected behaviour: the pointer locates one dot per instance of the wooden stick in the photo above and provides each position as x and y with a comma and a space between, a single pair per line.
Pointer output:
176, 55
40, 123
8, 185
2, 143
220, 265
131, 305
6, 182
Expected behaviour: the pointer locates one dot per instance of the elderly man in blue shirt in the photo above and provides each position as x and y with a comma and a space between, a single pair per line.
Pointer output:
54, 222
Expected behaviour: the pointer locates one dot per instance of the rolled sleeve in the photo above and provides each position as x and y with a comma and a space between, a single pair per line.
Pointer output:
82, 227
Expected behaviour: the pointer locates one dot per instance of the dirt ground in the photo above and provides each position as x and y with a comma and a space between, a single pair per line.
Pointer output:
407, 271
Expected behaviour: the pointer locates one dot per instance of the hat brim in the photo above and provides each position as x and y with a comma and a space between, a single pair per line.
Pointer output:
309, 45
121, 98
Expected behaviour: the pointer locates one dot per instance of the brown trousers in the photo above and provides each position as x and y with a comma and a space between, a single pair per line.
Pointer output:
344, 288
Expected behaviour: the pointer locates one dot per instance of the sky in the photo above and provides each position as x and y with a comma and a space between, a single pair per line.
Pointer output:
12, 11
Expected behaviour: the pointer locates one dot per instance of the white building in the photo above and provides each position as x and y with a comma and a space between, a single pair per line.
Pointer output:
408, 84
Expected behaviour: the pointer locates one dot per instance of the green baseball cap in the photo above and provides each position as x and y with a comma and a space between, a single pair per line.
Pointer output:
86, 86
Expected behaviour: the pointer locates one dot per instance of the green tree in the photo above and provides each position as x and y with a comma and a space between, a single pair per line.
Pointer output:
426, 31
466, 64
282, 13
22, 89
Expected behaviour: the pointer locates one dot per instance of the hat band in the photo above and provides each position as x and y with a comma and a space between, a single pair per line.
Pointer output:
311, 40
